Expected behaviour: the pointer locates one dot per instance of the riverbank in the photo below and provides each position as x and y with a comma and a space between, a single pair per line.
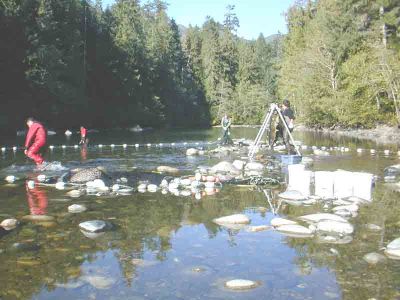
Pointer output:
381, 134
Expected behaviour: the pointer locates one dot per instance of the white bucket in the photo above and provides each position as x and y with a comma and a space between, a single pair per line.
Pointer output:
299, 179
362, 185
343, 184
324, 184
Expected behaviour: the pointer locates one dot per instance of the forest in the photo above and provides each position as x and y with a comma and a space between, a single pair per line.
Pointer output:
76, 62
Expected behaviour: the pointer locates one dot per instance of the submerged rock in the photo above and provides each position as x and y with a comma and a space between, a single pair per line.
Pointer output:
39, 218
374, 258
295, 230
315, 218
335, 226
241, 284
276, 222
167, 169
99, 282
9, 224
233, 219
76, 208
224, 167
292, 195
93, 226
258, 228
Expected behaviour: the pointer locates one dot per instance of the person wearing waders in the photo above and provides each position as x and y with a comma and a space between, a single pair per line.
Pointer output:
226, 133
83, 136
35, 141
288, 115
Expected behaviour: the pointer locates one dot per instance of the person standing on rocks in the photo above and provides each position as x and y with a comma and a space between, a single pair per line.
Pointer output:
226, 133
35, 141
83, 140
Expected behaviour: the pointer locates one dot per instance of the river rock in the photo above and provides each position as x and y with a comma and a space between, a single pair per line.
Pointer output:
224, 167
295, 230
76, 208
335, 226
374, 227
152, 188
75, 193
276, 222
241, 284
9, 224
192, 152
373, 258
239, 164
344, 213
394, 245
258, 228
233, 219
292, 195
319, 152
393, 253
315, 218
10, 178
39, 218
99, 282
93, 226
92, 235
329, 239
167, 169
254, 166
351, 208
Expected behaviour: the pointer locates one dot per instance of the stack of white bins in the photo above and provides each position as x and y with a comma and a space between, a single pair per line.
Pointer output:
299, 179
324, 182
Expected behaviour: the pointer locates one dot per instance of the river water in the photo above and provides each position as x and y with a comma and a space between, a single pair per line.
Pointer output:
163, 246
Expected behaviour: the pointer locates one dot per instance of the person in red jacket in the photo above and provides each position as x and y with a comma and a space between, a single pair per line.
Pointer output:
35, 140
83, 136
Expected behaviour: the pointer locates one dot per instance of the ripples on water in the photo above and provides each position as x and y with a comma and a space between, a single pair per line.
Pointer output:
167, 247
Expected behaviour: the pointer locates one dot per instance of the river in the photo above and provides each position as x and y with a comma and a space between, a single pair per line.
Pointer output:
163, 246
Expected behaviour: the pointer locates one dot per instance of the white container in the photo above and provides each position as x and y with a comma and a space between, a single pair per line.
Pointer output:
362, 185
324, 182
343, 184
299, 179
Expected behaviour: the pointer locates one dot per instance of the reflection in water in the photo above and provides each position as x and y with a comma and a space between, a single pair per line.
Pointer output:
83, 152
37, 200
168, 247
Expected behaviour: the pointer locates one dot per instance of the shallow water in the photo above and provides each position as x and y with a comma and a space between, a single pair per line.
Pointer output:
167, 247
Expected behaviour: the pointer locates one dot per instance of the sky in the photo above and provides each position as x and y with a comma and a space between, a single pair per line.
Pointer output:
255, 16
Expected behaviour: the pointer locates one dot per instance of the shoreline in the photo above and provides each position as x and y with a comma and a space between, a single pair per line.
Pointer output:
382, 134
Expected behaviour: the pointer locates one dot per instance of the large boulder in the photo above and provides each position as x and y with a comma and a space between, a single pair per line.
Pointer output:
224, 167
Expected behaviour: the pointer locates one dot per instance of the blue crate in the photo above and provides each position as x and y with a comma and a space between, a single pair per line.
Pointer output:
291, 159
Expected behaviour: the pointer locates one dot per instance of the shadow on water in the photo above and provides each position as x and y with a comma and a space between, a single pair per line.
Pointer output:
168, 247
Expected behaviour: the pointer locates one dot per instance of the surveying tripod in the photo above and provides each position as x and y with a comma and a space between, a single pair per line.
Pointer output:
273, 108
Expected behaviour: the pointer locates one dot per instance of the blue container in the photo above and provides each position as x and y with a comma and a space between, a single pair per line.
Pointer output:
291, 159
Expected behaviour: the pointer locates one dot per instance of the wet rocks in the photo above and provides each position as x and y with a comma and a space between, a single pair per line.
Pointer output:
167, 169
192, 152
335, 227
233, 219
373, 258
9, 224
276, 222
241, 284
93, 226
76, 208
295, 230
224, 167
315, 218
292, 195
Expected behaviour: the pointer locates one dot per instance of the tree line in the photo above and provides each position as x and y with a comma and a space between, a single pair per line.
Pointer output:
73, 62
341, 62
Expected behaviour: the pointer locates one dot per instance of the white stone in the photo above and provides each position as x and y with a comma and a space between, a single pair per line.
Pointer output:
292, 195
186, 182
318, 152
239, 164
76, 208
68, 133
192, 151
224, 167
115, 187
60, 185
315, 218
233, 219
198, 176
41, 178
173, 186
152, 188
258, 228
276, 222
350, 208
142, 186
99, 282
393, 245
295, 229
31, 184
185, 193
254, 166
374, 258
93, 226
9, 224
241, 284
10, 178
335, 226
75, 193
167, 169
393, 253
